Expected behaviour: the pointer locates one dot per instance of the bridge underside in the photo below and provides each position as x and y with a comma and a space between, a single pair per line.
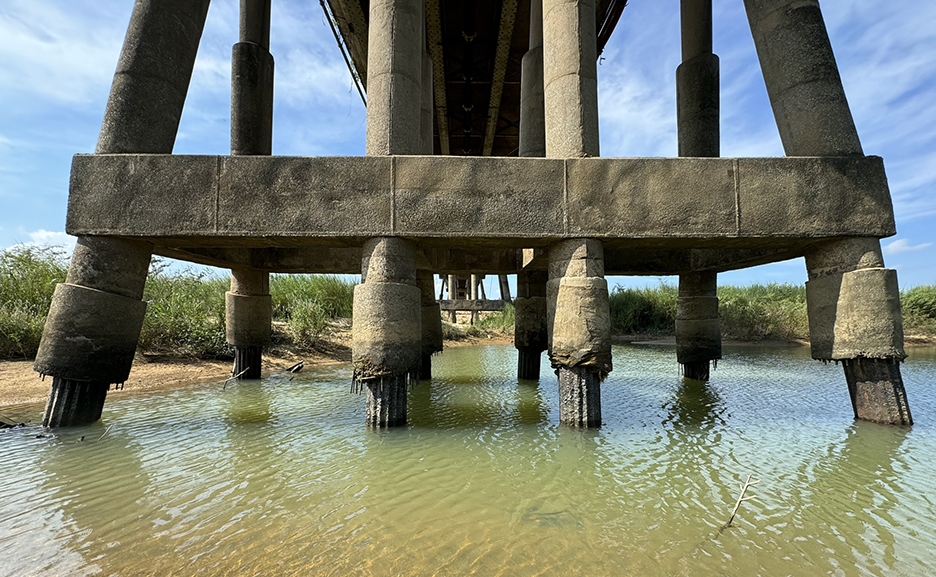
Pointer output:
313, 214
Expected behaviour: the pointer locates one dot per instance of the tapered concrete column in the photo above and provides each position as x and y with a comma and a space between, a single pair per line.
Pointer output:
530, 336
579, 328
473, 295
452, 295
570, 78
248, 320
431, 323
698, 330
853, 301
387, 329
96, 315
248, 305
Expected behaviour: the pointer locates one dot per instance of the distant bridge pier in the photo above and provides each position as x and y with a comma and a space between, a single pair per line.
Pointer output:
853, 301
431, 319
530, 334
698, 330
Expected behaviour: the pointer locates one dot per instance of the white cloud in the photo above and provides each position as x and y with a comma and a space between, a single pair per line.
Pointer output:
903, 245
48, 238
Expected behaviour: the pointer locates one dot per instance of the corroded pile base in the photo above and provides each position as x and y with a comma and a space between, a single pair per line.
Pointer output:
579, 396
528, 363
425, 367
877, 390
386, 401
73, 403
248, 362
696, 370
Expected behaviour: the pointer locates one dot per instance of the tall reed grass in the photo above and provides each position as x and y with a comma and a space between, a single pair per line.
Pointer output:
185, 314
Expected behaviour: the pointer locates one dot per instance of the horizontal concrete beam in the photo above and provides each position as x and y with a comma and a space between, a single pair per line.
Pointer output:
466, 202
470, 305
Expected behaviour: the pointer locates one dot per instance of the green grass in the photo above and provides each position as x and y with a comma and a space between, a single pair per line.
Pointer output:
185, 314
28, 276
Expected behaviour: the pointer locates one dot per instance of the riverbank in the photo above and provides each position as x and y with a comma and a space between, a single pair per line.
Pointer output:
19, 384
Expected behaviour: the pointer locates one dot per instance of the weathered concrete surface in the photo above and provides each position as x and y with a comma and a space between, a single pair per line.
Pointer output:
90, 335
395, 46
698, 329
530, 327
472, 305
877, 392
74, 403
802, 78
697, 106
387, 329
431, 316
251, 99
425, 197
570, 78
152, 76
578, 328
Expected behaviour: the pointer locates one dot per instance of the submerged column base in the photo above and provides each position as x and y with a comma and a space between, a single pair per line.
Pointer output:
877, 390
579, 396
386, 401
528, 363
696, 370
248, 362
73, 403
425, 367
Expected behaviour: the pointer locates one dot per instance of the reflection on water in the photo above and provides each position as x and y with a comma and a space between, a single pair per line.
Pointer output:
280, 476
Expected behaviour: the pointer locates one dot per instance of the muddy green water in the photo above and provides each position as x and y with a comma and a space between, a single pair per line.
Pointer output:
281, 477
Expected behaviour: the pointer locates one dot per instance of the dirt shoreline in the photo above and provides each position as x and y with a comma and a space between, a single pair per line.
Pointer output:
19, 384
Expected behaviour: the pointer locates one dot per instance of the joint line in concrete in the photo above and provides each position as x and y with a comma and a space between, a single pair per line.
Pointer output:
737, 189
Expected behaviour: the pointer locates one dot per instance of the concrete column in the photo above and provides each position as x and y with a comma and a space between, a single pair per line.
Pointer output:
426, 110
452, 295
854, 317
252, 82
248, 320
473, 295
530, 322
248, 306
387, 332
579, 328
853, 301
394, 76
530, 306
532, 105
96, 315
570, 78
431, 319
387, 329
698, 330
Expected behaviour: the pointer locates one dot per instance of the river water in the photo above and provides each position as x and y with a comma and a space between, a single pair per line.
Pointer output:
281, 477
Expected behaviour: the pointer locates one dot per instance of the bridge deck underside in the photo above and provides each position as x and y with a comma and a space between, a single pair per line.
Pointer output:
469, 214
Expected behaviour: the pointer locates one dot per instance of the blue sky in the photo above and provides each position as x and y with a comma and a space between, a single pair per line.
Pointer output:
58, 58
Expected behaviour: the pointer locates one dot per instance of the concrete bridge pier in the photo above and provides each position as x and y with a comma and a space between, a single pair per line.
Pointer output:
579, 328
248, 320
698, 330
387, 329
853, 301
387, 317
530, 334
95, 318
248, 314
431, 319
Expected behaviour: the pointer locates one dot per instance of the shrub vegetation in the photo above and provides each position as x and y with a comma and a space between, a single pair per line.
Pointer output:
185, 315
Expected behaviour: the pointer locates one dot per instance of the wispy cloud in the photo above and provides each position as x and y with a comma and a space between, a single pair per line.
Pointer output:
903, 245
48, 238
